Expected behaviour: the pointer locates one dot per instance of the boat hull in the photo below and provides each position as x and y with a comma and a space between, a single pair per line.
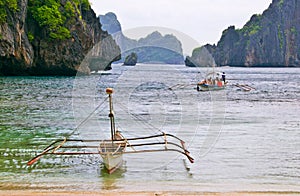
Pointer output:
204, 87
112, 162
112, 154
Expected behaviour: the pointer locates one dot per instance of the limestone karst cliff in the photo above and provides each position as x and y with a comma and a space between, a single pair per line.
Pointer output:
154, 48
52, 38
270, 39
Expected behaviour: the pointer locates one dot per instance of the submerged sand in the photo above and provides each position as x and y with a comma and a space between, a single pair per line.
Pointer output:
142, 193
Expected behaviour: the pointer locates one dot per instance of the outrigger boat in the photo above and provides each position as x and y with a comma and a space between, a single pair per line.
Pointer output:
112, 150
213, 81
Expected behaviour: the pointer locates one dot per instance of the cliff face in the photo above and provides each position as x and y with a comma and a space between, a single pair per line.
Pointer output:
154, 48
270, 39
27, 48
201, 57
110, 23
16, 53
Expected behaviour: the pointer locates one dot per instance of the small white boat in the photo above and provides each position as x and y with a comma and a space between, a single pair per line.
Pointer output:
112, 154
213, 81
112, 150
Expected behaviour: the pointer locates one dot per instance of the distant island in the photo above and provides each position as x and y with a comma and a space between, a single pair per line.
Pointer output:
154, 48
52, 38
131, 59
268, 40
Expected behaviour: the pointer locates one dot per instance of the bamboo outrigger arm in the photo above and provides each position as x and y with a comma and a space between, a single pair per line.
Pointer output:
191, 159
52, 147
57, 145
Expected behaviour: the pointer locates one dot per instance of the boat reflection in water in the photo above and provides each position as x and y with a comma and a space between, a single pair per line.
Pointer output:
110, 181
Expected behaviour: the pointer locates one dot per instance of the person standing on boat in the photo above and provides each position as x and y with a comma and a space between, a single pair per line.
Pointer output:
223, 77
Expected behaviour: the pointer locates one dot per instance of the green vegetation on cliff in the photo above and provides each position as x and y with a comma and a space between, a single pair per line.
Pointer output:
55, 16
52, 37
280, 36
268, 39
253, 26
11, 5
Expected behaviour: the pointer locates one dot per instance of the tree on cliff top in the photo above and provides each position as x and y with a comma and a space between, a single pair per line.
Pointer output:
12, 5
54, 16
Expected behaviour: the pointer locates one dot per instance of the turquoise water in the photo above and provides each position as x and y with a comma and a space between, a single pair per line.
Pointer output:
241, 141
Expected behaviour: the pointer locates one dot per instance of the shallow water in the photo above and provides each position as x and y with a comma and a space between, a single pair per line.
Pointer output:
241, 141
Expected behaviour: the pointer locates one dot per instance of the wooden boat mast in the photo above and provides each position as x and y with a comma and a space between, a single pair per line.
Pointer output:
109, 91
57, 145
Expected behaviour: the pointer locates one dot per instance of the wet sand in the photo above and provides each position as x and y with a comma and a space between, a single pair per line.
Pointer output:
142, 193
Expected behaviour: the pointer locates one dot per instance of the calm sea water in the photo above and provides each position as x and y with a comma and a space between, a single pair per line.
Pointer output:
241, 141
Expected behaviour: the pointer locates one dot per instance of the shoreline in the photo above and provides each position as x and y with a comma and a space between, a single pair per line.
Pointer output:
143, 193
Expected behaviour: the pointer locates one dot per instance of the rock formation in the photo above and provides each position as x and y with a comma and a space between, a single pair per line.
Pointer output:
32, 47
271, 39
131, 59
154, 48
201, 57
110, 23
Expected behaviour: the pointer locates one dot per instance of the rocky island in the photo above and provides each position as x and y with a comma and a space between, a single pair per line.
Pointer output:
154, 48
52, 38
271, 39
131, 59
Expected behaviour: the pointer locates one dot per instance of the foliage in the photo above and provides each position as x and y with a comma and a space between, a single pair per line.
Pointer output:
30, 36
294, 30
83, 4
2, 14
69, 10
55, 16
253, 26
61, 33
11, 5
280, 37
281, 3
48, 16
254, 30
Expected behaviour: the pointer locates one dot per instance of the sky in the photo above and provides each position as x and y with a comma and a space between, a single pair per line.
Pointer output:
201, 20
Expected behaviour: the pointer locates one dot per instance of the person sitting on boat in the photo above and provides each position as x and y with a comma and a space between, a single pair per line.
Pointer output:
118, 135
209, 81
216, 81
202, 82
219, 83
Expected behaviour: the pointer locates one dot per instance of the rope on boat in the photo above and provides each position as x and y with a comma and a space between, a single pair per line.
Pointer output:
140, 119
127, 143
117, 150
88, 117
54, 148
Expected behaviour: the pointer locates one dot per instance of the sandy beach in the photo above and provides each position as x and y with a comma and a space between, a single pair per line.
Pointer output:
142, 193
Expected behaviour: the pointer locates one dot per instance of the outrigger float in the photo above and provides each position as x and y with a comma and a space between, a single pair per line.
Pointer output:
112, 150
244, 87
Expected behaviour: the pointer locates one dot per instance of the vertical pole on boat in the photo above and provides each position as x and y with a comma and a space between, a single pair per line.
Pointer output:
109, 91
